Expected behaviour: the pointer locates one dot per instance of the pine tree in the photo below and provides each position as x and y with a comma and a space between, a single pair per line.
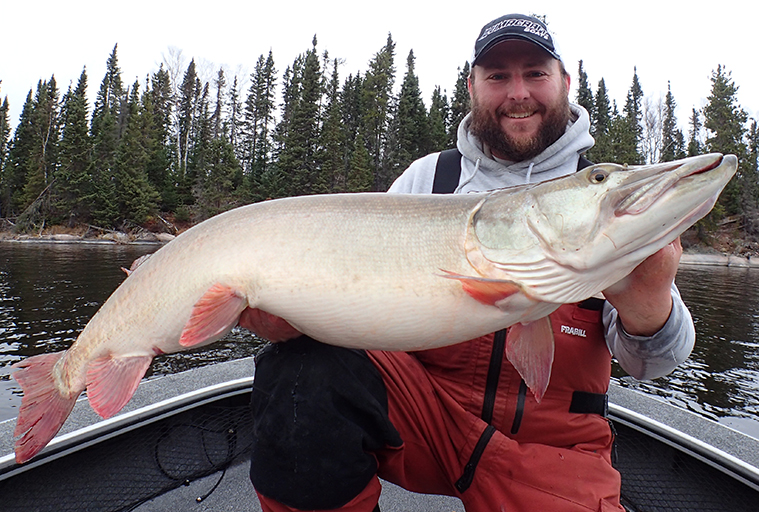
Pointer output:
725, 121
74, 187
459, 105
584, 94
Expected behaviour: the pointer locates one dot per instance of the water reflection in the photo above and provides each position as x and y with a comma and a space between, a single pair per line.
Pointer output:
720, 380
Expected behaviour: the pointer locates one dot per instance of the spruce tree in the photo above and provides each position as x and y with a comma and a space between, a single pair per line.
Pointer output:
161, 99
332, 138
672, 136
584, 94
631, 131
105, 137
725, 121
74, 186
136, 197
409, 129
46, 137
297, 159
438, 117
5, 131
20, 151
188, 114
694, 141
259, 119
459, 104
377, 95
601, 118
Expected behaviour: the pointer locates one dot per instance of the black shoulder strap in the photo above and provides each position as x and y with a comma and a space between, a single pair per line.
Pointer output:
583, 162
447, 172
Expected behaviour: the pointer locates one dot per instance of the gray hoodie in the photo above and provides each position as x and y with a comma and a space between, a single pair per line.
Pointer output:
643, 357
481, 171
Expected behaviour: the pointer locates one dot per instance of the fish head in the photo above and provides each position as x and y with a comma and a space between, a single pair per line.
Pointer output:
610, 212
584, 232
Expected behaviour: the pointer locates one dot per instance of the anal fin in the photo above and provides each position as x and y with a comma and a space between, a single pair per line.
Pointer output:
111, 381
530, 348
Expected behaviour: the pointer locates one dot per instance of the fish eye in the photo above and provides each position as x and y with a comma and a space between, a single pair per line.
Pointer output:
598, 176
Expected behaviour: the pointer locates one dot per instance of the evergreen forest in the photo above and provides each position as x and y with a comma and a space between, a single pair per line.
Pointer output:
173, 148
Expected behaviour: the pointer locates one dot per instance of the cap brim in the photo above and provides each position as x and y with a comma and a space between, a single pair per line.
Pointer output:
507, 37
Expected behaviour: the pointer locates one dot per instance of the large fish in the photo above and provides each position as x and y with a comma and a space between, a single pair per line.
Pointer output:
376, 271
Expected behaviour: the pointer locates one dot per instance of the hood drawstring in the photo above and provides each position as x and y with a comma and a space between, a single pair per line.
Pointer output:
468, 179
529, 173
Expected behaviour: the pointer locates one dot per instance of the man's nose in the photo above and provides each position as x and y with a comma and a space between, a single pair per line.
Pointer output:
518, 89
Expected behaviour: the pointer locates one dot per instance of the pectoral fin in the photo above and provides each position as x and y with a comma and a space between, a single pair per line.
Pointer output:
530, 348
484, 290
217, 311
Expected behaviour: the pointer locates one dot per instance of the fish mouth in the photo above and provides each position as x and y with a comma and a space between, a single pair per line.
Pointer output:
639, 195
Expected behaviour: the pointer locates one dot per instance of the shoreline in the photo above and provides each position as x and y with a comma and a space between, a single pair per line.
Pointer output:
689, 258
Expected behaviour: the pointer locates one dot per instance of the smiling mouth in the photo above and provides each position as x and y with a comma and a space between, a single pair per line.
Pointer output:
520, 115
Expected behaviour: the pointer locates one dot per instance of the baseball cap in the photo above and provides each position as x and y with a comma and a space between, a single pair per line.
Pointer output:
514, 26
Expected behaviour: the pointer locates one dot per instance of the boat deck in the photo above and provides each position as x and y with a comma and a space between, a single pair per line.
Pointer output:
173, 440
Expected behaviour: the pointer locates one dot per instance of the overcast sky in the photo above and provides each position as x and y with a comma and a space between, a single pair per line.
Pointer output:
666, 40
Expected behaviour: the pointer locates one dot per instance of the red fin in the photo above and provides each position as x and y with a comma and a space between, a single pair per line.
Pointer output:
111, 382
530, 349
43, 408
213, 315
268, 326
136, 263
486, 291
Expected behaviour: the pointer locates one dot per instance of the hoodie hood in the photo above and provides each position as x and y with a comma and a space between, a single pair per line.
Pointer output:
482, 171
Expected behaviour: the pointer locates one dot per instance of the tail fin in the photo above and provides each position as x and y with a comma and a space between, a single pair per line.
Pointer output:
43, 408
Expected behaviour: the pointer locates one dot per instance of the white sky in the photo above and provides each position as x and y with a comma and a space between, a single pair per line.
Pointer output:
666, 40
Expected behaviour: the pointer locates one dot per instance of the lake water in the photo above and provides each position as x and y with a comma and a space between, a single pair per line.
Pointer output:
48, 292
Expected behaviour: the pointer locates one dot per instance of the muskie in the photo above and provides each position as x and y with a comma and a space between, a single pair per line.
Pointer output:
376, 271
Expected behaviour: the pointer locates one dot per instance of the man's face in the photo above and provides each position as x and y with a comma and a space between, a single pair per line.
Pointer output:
520, 102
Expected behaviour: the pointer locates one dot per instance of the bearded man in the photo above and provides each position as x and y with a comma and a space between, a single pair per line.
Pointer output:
459, 420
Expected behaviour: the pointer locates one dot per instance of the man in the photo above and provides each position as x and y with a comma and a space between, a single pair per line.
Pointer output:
459, 420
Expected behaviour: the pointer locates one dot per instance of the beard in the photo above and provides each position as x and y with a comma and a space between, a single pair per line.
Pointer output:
485, 126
